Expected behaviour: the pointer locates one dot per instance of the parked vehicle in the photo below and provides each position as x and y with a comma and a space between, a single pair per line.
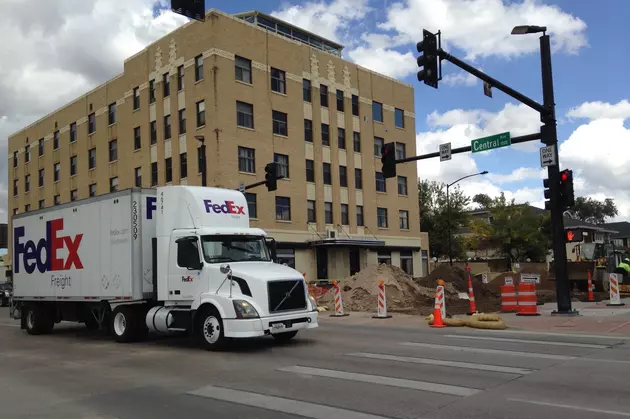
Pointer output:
175, 259
6, 291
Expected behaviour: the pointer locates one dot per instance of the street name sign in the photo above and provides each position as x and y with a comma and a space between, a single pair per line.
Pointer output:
548, 156
445, 152
489, 143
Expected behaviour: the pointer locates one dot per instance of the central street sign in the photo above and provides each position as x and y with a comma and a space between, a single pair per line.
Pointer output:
445, 151
491, 142
548, 156
530, 278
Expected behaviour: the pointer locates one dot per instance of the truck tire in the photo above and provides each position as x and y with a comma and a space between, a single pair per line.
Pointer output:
285, 337
37, 320
209, 328
124, 324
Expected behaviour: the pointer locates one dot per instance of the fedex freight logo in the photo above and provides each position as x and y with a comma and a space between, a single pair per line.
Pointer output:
32, 253
228, 207
187, 278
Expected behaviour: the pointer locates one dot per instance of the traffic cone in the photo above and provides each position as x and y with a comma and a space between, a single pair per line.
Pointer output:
437, 308
591, 294
471, 294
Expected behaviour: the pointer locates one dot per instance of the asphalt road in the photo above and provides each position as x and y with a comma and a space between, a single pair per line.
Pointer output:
336, 372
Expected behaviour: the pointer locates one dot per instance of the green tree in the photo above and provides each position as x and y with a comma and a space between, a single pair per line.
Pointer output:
516, 230
434, 217
594, 211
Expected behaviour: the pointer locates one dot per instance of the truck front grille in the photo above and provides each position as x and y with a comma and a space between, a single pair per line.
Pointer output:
286, 295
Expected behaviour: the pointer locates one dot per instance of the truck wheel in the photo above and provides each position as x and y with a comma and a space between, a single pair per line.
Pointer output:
38, 322
124, 324
285, 337
210, 330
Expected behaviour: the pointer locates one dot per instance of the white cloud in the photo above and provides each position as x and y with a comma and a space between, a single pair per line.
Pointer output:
520, 174
461, 78
385, 61
600, 110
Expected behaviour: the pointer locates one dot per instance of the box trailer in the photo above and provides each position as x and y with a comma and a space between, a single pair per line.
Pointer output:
171, 259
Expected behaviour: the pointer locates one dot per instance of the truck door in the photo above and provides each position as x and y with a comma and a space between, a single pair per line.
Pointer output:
185, 279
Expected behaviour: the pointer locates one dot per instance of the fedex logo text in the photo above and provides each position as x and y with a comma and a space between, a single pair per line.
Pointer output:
32, 253
228, 207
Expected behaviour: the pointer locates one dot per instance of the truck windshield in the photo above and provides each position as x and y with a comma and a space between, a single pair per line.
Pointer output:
224, 248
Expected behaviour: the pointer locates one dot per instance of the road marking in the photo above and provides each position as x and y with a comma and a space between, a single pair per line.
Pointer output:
388, 381
489, 351
9, 325
565, 406
279, 404
537, 342
568, 335
442, 363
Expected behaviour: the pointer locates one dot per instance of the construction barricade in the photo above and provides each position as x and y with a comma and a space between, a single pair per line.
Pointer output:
338, 302
508, 299
381, 305
615, 298
439, 306
527, 301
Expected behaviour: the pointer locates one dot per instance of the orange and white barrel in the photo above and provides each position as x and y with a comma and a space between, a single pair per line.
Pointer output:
508, 299
527, 303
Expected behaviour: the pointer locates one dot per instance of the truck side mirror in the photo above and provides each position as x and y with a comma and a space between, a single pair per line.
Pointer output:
271, 243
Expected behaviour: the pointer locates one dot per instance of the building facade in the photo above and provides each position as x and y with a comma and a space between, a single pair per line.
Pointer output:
255, 90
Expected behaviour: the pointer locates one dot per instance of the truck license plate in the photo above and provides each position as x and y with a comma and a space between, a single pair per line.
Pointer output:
278, 326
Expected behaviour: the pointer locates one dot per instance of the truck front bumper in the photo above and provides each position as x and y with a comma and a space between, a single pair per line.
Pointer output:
249, 328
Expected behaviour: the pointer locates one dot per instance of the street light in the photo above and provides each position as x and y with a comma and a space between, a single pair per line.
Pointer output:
448, 211
202, 160
525, 29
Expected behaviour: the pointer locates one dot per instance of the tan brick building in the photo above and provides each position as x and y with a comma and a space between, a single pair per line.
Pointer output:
257, 89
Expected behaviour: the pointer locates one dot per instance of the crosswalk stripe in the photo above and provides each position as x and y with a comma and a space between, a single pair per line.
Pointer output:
536, 342
568, 335
442, 363
572, 407
388, 381
279, 404
488, 351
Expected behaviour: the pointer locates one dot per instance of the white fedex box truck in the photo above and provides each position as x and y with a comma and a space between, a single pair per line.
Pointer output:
175, 259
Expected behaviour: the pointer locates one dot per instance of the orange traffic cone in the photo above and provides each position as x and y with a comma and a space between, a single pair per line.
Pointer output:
437, 308
591, 294
471, 293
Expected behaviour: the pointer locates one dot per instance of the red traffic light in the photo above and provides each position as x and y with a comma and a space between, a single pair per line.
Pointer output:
573, 235
564, 176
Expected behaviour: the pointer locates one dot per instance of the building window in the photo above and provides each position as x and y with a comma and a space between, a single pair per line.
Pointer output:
154, 173
327, 174
73, 165
252, 208
183, 166
399, 118
328, 213
378, 146
168, 169
381, 217
137, 140
280, 123
306, 90
200, 159
310, 171
341, 138
358, 179
180, 78
56, 140
323, 95
406, 261
343, 176
167, 127
283, 208
402, 185
16, 188
243, 69
377, 111
199, 67
355, 105
381, 185
27, 207
92, 158
340, 100
151, 91
113, 184
282, 161
27, 153
404, 219
40, 181
138, 177
111, 115
360, 222
92, 190
384, 257
345, 217
56, 172
113, 150
41, 203
325, 135
91, 124
278, 81
286, 257
40, 144
57, 199
201, 113
401, 151
136, 98
356, 141
244, 115
311, 213
182, 121
73, 133
27, 183
153, 128
246, 160
308, 130
73, 195
166, 84
15, 159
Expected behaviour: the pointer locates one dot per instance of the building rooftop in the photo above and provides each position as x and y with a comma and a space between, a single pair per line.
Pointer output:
623, 228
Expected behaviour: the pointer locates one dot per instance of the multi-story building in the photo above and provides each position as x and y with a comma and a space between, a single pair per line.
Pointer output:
255, 90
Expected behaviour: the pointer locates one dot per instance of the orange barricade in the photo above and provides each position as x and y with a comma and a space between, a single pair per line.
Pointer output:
508, 299
527, 300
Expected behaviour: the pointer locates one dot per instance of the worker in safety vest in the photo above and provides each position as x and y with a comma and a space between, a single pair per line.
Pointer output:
625, 265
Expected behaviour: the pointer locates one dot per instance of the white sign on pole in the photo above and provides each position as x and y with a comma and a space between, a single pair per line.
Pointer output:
530, 278
509, 280
445, 152
241, 187
484, 278
548, 156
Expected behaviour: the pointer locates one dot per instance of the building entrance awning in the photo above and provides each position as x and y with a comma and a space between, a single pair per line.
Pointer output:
345, 242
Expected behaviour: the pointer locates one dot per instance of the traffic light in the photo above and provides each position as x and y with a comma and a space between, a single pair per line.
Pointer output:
271, 180
428, 62
388, 158
573, 235
566, 193
548, 194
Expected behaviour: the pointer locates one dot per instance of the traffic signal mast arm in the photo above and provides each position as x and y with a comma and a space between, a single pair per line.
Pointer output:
262, 182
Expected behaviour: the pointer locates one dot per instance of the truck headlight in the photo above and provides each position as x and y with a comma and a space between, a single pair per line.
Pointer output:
244, 310
313, 302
